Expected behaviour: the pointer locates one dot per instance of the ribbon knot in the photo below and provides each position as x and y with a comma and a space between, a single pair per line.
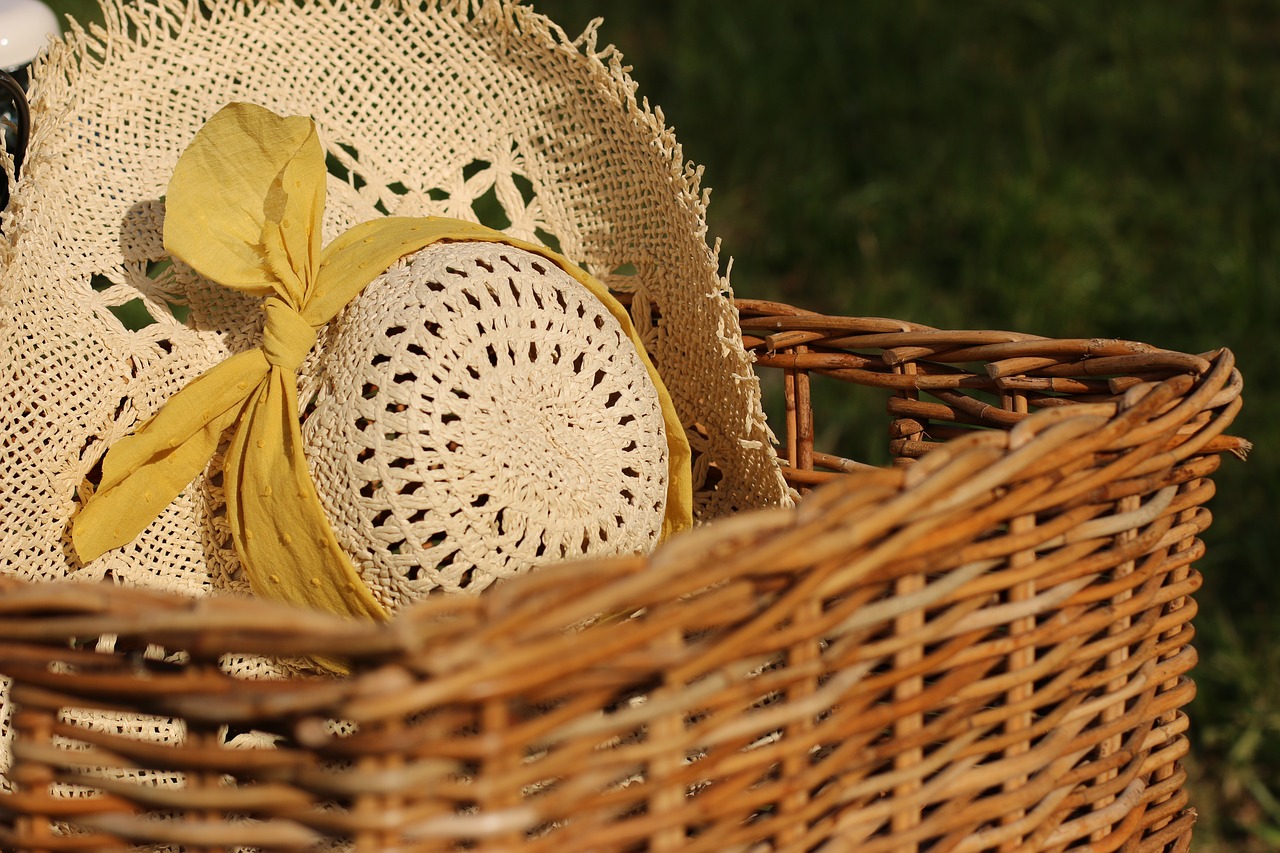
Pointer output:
287, 336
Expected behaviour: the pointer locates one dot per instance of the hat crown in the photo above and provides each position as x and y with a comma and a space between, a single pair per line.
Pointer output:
477, 411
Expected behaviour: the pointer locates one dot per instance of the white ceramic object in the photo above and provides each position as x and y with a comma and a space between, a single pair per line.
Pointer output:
25, 28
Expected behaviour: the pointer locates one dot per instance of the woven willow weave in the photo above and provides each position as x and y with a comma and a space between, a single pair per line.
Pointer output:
474, 110
984, 648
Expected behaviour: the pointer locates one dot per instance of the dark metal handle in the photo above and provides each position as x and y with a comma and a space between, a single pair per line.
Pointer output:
17, 95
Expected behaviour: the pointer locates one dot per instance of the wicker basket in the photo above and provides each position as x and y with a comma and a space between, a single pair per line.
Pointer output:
983, 647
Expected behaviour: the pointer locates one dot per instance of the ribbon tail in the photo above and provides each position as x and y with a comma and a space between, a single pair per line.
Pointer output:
281, 532
144, 472
118, 512
218, 390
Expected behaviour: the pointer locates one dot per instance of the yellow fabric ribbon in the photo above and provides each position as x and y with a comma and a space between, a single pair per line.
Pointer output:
244, 208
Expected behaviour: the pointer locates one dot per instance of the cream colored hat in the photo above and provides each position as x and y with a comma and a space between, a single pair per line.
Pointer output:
469, 110
482, 111
478, 111
450, 396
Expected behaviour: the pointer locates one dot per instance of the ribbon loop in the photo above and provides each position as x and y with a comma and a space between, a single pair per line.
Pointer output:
287, 337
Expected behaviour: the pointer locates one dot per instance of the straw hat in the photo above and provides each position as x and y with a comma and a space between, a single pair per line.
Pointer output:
492, 403
469, 110
480, 111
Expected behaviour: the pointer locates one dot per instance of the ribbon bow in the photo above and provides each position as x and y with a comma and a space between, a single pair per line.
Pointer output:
244, 208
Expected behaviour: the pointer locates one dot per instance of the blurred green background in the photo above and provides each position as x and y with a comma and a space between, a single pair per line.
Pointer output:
1073, 169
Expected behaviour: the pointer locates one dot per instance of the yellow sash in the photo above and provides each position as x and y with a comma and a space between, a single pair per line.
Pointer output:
244, 209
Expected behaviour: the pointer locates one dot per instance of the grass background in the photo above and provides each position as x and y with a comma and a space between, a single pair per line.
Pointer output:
1073, 169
